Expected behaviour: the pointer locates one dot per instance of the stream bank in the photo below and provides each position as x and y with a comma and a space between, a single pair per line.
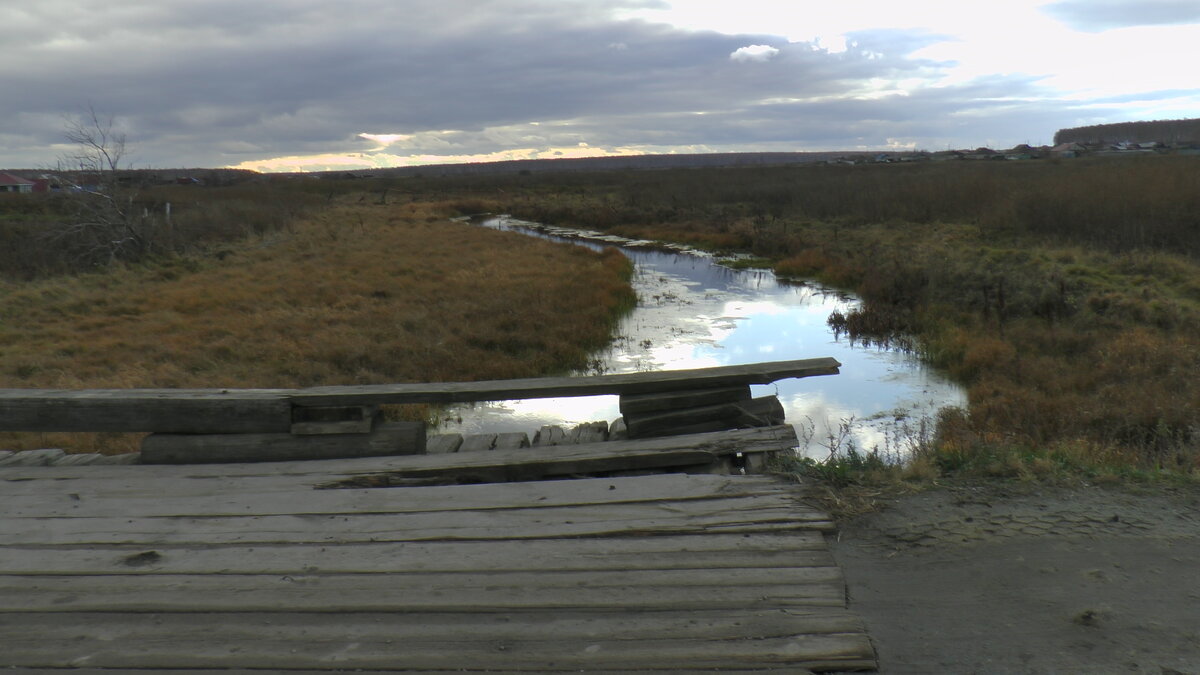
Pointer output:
694, 312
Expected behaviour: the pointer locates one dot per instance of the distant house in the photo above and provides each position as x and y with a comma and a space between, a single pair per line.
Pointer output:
11, 183
1067, 150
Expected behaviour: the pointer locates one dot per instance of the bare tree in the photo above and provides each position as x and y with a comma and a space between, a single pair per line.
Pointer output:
103, 224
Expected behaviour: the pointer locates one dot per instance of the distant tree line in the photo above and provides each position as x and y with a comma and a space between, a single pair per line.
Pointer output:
1172, 132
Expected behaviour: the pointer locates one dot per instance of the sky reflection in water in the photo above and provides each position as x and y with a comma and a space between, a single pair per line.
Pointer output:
693, 313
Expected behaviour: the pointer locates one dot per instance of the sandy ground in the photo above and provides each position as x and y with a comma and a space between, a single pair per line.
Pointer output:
1015, 579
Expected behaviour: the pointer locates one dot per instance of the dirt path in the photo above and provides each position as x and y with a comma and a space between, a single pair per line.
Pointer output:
1004, 579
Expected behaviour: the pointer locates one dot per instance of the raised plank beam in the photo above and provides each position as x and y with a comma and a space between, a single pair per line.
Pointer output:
553, 387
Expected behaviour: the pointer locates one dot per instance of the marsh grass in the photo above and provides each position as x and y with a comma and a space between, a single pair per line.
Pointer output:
1064, 295
354, 294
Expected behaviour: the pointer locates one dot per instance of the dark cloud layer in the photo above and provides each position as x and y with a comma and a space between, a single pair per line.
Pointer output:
227, 81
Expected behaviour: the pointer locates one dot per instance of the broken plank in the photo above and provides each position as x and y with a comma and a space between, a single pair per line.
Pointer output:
624, 384
392, 438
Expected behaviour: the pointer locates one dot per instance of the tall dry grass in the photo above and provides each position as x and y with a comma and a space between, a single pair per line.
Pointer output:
42, 235
1064, 294
357, 294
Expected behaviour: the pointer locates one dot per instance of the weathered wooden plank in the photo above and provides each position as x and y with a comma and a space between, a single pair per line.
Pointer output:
266, 496
263, 495
378, 627
441, 444
768, 439
761, 513
688, 398
758, 412
777, 522
48, 490
629, 554
624, 383
189, 411
661, 589
392, 438
672, 641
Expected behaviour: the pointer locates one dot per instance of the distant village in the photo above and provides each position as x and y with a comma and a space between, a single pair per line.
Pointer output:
1024, 152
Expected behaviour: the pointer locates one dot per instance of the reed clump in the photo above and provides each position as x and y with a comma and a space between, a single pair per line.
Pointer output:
353, 294
45, 235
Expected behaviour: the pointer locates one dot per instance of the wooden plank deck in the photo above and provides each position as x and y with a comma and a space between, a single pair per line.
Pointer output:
246, 567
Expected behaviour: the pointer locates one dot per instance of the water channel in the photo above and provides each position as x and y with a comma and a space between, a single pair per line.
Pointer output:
693, 313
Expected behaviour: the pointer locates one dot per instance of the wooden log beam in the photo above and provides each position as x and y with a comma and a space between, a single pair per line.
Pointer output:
394, 438
759, 412
185, 411
633, 404
552, 387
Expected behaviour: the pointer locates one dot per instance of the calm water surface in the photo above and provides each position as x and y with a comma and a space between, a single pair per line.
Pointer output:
694, 313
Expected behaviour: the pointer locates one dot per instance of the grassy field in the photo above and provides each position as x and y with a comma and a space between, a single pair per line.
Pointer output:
1064, 295
352, 292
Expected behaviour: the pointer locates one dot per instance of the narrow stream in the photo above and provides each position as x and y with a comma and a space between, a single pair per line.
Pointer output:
695, 313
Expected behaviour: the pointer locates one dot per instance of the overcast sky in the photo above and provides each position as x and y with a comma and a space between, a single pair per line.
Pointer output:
314, 84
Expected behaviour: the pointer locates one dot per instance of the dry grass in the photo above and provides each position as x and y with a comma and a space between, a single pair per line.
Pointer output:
1064, 295
355, 295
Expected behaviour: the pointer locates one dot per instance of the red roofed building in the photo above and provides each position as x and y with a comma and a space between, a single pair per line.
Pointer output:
11, 183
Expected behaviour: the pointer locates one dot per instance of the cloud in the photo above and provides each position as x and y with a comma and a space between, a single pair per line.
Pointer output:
758, 53
227, 82
1102, 15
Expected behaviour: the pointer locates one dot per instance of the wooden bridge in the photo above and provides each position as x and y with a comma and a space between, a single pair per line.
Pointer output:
653, 553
